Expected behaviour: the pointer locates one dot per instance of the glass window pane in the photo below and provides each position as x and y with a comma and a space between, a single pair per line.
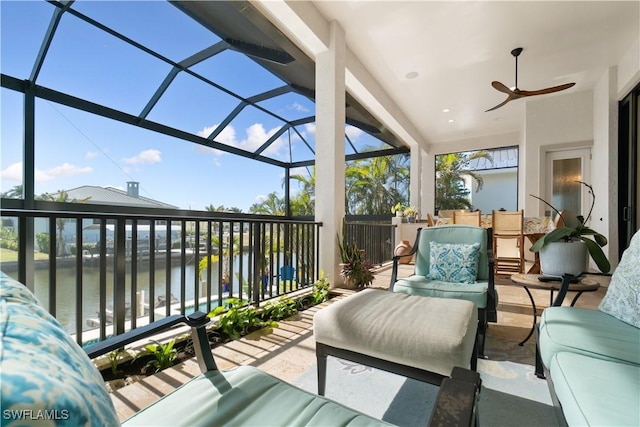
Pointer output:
290, 106
12, 135
191, 105
89, 63
75, 149
23, 25
239, 74
250, 129
360, 140
157, 25
567, 192
303, 143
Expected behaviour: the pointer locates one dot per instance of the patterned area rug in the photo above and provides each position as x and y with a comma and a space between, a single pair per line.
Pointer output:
511, 393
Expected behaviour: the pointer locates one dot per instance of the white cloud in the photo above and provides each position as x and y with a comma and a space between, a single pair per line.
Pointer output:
298, 107
14, 172
91, 155
310, 127
256, 135
353, 132
147, 156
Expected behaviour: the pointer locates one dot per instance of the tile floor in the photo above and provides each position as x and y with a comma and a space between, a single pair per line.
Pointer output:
290, 349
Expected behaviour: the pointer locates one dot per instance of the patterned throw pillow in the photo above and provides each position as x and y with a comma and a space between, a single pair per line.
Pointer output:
622, 299
454, 262
47, 379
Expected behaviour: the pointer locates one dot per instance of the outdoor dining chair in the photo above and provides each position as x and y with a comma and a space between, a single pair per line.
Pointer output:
508, 242
466, 218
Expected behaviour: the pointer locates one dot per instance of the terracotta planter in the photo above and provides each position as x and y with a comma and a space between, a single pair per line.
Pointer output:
558, 258
404, 247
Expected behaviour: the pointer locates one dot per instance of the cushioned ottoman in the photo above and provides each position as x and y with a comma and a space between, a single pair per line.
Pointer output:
414, 336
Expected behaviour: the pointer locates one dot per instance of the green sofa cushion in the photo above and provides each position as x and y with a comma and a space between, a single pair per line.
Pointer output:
596, 392
423, 286
246, 396
589, 332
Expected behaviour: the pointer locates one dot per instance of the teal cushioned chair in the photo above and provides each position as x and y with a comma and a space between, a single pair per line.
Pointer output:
482, 292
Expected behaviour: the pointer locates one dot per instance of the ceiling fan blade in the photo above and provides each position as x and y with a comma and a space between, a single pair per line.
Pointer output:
502, 88
509, 98
547, 90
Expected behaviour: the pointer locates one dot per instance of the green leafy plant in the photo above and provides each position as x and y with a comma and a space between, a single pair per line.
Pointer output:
355, 267
115, 357
398, 207
320, 289
164, 355
411, 211
239, 320
278, 310
594, 240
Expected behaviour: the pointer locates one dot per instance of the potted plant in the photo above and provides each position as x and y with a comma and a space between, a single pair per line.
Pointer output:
398, 209
557, 258
355, 268
411, 213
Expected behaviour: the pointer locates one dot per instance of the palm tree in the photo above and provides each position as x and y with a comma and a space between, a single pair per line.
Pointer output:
272, 205
61, 197
222, 208
14, 193
375, 185
451, 169
303, 203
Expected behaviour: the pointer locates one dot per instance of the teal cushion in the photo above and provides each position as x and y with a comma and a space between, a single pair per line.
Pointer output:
595, 392
589, 332
246, 396
423, 286
622, 299
454, 262
42, 369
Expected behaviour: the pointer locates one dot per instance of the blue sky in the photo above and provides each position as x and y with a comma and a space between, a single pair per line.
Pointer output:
75, 148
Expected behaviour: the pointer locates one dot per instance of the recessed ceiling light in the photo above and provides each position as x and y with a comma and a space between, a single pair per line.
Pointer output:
446, 110
412, 75
451, 120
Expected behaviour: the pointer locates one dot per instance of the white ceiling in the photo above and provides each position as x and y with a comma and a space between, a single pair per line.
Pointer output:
458, 48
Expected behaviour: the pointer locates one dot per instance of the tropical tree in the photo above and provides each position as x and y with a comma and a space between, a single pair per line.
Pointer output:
451, 169
61, 197
14, 193
303, 203
375, 185
222, 208
271, 205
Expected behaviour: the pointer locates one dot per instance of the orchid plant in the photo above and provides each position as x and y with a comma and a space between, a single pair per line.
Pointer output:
594, 240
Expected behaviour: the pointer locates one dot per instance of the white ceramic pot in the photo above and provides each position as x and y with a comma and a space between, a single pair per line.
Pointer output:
558, 258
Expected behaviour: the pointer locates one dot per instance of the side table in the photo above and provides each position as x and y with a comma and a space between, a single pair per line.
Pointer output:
531, 281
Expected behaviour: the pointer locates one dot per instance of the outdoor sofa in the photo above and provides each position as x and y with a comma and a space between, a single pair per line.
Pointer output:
46, 376
591, 358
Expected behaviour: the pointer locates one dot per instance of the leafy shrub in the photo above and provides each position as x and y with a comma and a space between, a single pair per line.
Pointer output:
43, 242
278, 310
239, 320
164, 355
8, 239
320, 289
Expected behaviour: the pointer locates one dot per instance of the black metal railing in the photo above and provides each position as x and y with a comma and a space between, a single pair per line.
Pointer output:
373, 234
102, 273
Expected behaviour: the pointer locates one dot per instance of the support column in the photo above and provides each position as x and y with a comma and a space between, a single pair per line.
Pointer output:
415, 183
330, 151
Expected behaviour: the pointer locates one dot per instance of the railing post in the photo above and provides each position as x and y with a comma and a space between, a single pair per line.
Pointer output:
119, 288
255, 277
